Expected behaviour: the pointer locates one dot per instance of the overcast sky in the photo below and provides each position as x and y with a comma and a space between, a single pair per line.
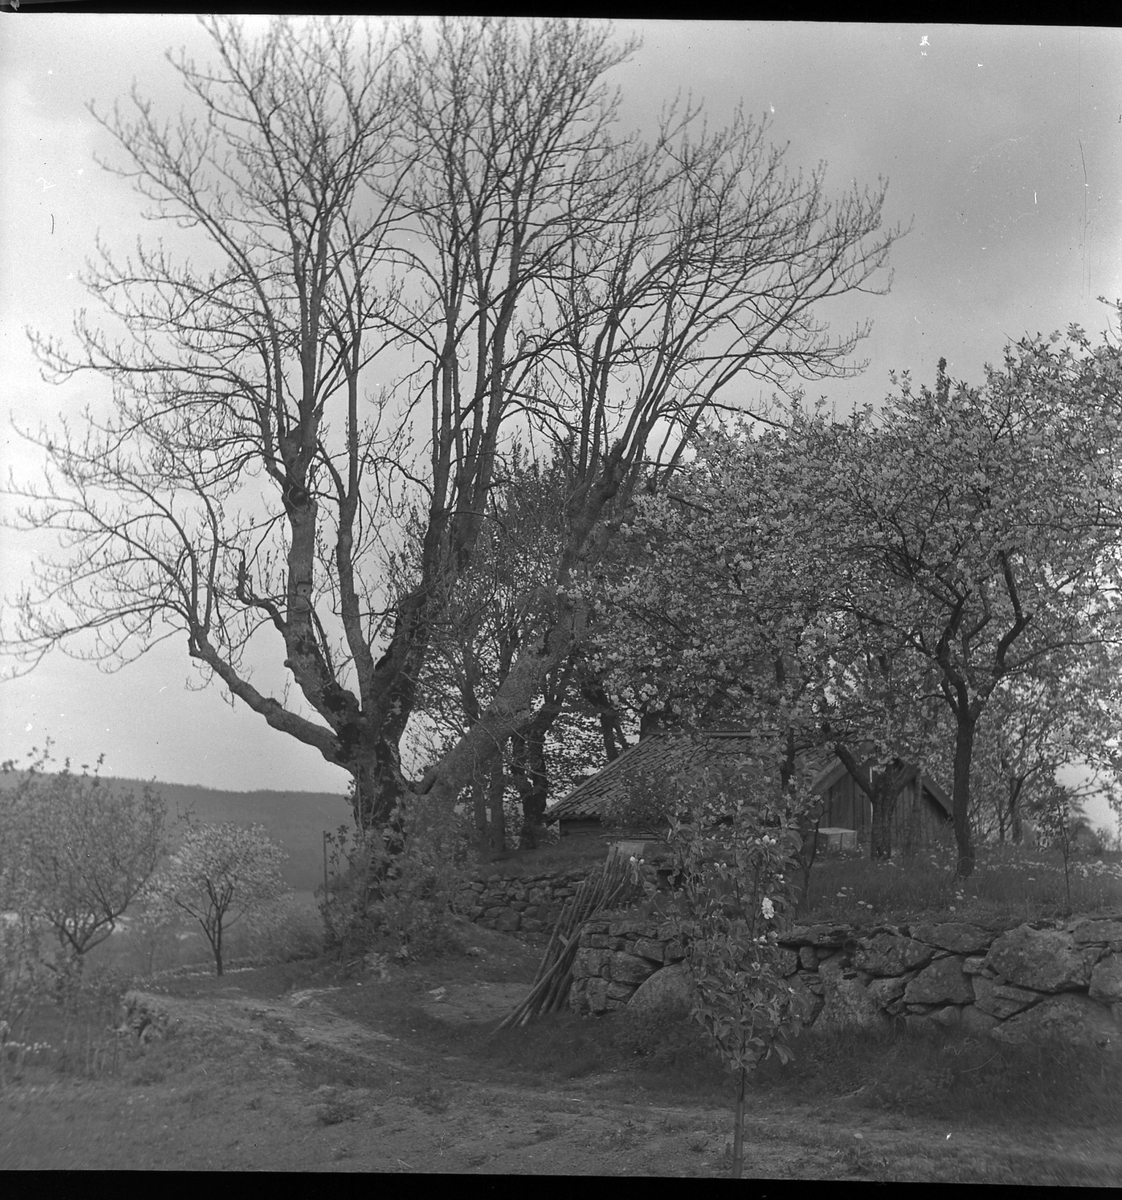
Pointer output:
1002, 147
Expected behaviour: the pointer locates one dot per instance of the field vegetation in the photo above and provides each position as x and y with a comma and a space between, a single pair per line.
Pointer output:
442, 1091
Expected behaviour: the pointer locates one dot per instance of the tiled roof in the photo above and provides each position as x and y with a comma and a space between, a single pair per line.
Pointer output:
661, 753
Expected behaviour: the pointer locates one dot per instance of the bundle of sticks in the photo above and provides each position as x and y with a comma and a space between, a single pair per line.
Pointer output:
597, 894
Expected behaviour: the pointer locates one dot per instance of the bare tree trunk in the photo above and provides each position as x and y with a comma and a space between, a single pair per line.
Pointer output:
883, 791
528, 755
883, 800
1015, 830
531, 779
379, 785
738, 1128
611, 728
479, 813
496, 785
963, 754
880, 836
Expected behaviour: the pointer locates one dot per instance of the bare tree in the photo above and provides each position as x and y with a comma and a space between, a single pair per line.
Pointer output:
498, 605
406, 250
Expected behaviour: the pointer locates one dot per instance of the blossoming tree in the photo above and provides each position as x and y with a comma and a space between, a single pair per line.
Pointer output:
218, 875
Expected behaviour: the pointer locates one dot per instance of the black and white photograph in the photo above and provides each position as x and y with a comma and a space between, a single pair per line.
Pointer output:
561, 597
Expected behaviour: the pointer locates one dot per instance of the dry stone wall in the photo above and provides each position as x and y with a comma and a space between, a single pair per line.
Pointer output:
519, 904
1021, 984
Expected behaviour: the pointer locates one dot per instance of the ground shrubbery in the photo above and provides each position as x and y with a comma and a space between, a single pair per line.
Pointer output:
933, 1074
75, 1030
71, 1022
941, 1073
397, 899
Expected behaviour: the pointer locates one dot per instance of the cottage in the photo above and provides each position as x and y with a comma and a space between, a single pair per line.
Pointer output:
921, 814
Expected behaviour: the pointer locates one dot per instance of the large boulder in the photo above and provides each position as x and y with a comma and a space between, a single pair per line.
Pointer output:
944, 982
890, 954
1076, 1019
956, 936
1106, 979
1047, 960
670, 987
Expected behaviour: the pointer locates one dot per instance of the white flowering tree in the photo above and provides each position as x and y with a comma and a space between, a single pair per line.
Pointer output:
218, 875
1067, 714
841, 580
79, 851
732, 617
986, 520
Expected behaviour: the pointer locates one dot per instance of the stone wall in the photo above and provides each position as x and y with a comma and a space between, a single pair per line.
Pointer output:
526, 904
1017, 984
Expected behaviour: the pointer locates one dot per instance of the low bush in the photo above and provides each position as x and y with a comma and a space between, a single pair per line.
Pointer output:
77, 1032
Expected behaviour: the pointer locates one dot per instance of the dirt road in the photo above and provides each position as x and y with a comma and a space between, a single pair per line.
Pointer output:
245, 1082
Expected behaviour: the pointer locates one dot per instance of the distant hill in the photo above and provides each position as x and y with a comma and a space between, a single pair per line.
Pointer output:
294, 820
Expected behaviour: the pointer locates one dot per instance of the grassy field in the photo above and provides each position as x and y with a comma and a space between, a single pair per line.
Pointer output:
385, 1065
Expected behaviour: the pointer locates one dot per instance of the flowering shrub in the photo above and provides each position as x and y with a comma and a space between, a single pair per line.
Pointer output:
736, 857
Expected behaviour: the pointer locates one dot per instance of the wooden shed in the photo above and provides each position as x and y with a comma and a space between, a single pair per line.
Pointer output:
921, 815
